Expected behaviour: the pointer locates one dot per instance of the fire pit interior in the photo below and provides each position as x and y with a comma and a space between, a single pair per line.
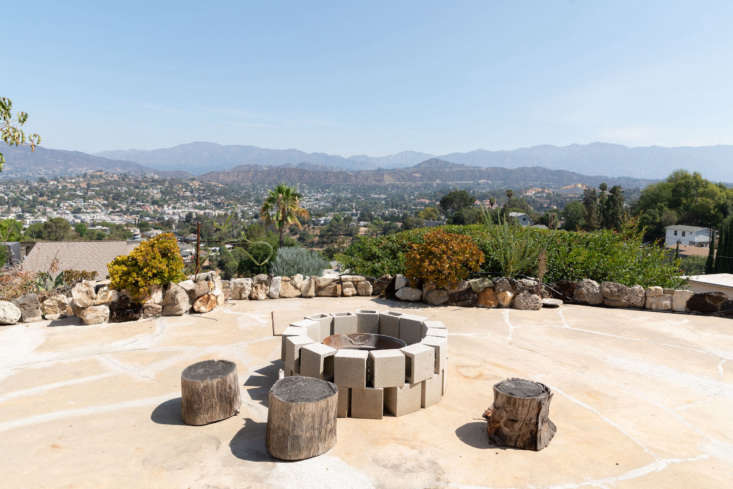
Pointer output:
364, 341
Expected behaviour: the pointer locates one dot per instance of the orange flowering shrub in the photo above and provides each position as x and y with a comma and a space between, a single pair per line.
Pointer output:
156, 261
443, 258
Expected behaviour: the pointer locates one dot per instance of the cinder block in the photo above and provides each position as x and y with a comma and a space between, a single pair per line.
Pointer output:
316, 360
432, 323
389, 323
386, 368
292, 352
349, 368
444, 380
402, 400
367, 403
441, 333
411, 328
326, 321
344, 323
432, 391
290, 331
312, 327
344, 402
420, 362
441, 350
367, 321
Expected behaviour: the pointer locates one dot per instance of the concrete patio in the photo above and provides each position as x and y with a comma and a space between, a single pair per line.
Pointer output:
642, 399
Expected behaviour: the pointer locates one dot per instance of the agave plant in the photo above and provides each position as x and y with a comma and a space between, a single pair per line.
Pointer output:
515, 251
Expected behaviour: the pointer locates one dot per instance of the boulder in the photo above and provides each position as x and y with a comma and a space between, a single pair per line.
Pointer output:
155, 295
680, 298
400, 281
462, 295
435, 297
260, 288
124, 309
654, 291
333, 289
273, 292
94, 314
551, 303
564, 289
175, 301
658, 302
220, 297
323, 282
364, 288
352, 278
308, 288
503, 284
200, 287
348, 289
588, 292
205, 303
30, 308
637, 296
380, 285
706, 302
298, 281
9, 313
505, 298
527, 301
615, 294
488, 298
726, 309
55, 307
409, 294
241, 288
288, 289
83, 295
152, 310
527, 284
106, 296
226, 289
480, 284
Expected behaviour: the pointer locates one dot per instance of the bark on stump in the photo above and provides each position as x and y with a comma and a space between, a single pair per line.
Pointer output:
301, 420
209, 392
519, 417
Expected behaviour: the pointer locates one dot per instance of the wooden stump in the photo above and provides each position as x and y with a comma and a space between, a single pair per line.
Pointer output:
301, 421
519, 417
209, 392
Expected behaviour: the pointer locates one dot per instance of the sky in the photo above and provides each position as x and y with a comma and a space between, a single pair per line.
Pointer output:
370, 77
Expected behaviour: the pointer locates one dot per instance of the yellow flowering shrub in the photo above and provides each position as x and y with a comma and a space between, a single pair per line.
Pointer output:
156, 261
443, 258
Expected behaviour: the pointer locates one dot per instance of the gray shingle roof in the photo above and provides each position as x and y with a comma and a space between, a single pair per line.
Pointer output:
88, 256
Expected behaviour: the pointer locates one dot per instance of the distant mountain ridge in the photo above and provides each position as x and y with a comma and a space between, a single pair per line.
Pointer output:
651, 162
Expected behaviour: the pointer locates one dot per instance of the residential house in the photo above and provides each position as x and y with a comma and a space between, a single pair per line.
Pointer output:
686, 236
86, 256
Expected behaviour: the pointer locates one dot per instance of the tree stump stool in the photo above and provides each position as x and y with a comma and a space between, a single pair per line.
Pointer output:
301, 420
209, 392
519, 417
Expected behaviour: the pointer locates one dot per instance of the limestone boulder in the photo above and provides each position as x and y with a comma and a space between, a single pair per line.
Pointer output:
226, 289
380, 285
637, 296
505, 298
220, 297
527, 301
364, 288
435, 296
260, 287
241, 288
348, 289
106, 296
462, 295
298, 281
9, 313
152, 310
55, 307
528, 284
615, 294
680, 298
288, 288
94, 314
654, 291
551, 303
273, 292
205, 303
124, 309
352, 278
200, 287
175, 301
503, 284
400, 281
333, 289
487, 298
658, 302
30, 308
726, 309
323, 282
410, 294
706, 302
308, 288
564, 289
83, 294
155, 295
588, 292
480, 284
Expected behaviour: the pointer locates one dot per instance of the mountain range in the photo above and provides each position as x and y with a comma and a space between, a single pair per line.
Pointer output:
200, 158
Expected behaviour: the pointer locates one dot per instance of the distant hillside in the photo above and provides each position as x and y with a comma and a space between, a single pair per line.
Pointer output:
433, 171
653, 162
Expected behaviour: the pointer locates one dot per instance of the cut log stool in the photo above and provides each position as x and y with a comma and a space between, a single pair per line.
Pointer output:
301, 420
209, 392
519, 417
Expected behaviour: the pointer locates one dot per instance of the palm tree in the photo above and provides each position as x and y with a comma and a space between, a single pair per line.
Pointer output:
282, 208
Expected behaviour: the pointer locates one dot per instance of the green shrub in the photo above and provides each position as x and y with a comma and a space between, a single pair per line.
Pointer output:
292, 260
601, 255
156, 261
693, 265
443, 258
512, 249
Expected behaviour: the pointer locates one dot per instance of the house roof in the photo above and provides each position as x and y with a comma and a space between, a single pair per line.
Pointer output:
682, 227
88, 256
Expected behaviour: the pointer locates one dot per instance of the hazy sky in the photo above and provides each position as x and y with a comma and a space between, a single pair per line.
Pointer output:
370, 77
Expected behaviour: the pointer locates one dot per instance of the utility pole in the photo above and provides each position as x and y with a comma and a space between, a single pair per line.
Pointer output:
198, 250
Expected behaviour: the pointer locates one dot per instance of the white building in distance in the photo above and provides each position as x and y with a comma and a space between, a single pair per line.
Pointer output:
686, 236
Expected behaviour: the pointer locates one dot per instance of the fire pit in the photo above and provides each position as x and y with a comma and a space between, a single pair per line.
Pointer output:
382, 361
